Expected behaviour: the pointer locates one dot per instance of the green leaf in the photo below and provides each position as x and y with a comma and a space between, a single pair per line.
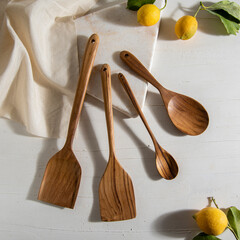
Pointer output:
229, 14
233, 216
231, 26
204, 236
227, 9
136, 4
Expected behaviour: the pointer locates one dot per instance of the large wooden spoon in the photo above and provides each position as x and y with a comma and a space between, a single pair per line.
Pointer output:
62, 175
188, 115
116, 194
166, 164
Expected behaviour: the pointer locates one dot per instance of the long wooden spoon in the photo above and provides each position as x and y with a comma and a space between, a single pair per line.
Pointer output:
116, 194
62, 175
188, 115
166, 164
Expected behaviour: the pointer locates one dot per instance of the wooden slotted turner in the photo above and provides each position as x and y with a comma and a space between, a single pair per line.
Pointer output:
62, 175
116, 194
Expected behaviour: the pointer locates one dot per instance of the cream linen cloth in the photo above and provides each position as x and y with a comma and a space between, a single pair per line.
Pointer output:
39, 65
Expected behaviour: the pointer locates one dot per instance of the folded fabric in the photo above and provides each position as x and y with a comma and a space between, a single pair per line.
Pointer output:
39, 63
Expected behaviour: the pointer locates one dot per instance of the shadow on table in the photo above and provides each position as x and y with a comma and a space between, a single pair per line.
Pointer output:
167, 32
119, 118
99, 161
49, 148
160, 113
178, 224
149, 164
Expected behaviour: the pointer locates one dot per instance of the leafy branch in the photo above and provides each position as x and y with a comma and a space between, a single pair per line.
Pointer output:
228, 12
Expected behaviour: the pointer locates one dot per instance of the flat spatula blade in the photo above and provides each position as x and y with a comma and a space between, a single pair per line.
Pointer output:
61, 180
116, 194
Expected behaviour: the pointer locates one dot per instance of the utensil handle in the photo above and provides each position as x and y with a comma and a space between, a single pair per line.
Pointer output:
86, 69
139, 68
129, 91
107, 95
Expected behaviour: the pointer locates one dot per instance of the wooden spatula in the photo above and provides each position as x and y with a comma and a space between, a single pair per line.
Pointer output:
116, 194
62, 175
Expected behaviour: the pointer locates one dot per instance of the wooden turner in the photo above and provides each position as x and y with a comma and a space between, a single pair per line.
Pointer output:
116, 195
62, 175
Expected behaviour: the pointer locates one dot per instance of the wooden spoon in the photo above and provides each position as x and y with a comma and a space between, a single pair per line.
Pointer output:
62, 175
188, 115
116, 194
166, 164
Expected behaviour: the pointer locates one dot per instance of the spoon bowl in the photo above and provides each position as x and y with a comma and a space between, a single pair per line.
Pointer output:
188, 115
165, 163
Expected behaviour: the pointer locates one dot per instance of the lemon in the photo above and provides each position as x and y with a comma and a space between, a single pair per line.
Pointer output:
148, 15
211, 220
186, 27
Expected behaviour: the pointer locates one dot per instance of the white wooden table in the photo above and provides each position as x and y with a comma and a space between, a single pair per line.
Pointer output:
206, 68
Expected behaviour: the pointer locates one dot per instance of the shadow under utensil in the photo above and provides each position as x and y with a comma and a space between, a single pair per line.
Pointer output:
81, 43
178, 224
148, 162
160, 113
116, 58
46, 153
49, 149
117, 86
99, 162
119, 117
122, 95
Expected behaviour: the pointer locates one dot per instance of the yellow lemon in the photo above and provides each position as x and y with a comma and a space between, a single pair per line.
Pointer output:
211, 220
186, 27
148, 15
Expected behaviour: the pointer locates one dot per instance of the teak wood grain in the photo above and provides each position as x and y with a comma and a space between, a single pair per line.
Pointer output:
165, 163
116, 194
188, 115
62, 175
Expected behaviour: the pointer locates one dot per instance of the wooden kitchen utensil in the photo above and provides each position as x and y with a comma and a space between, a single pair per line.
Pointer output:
62, 175
165, 163
116, 194
188, 115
